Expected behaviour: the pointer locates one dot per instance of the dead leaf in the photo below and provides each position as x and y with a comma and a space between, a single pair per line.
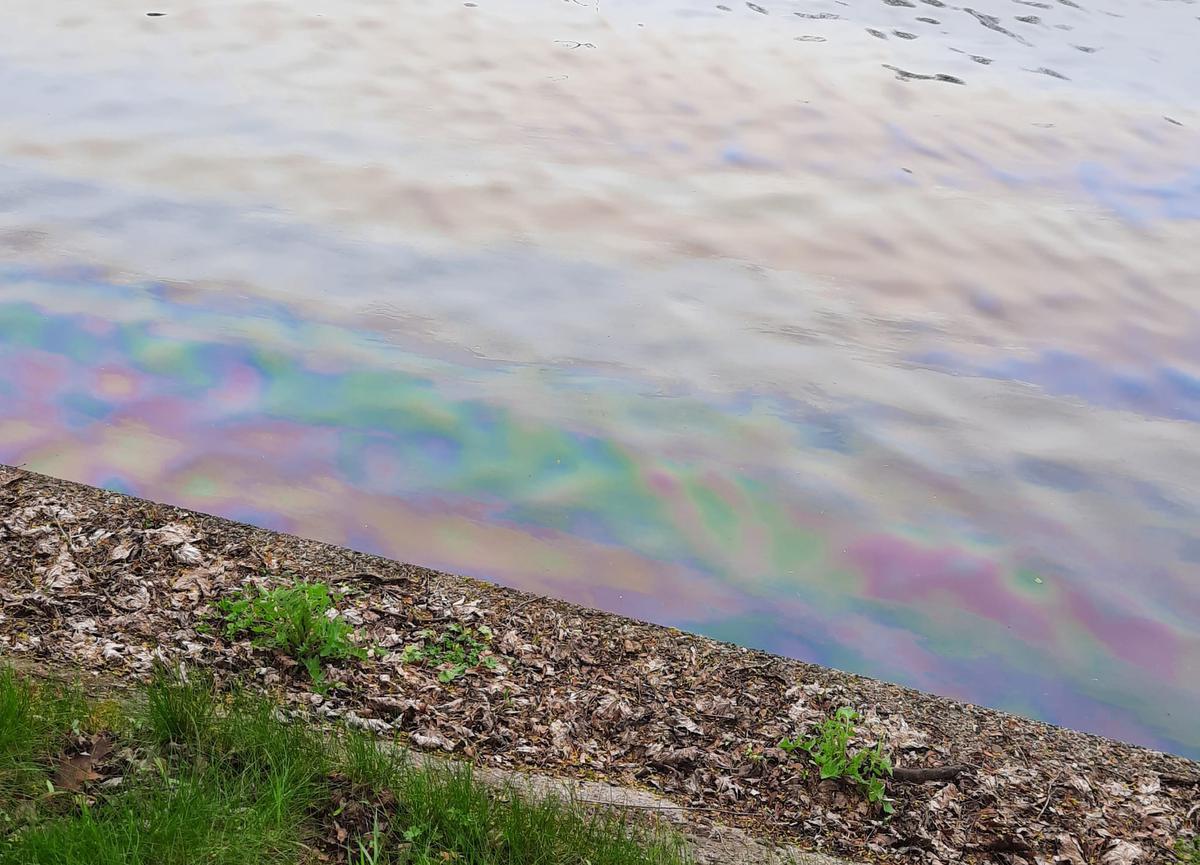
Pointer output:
173, 534
1122, 853
560, 734
63, 573
716, 706
1068, 851
945, 800
1149, 785
138, 599
683, 722
681, 756
431, 740
74, 772
614, 712
187, 554
198, 582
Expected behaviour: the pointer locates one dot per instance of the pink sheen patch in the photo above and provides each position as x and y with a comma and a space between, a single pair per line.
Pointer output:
39, 373
660, 482
902, 649
170, 414
97, 326
897, 570
1134, 639
240, 389
290, 441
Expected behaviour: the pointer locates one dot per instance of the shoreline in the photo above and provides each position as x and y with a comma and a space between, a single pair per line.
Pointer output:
90, 579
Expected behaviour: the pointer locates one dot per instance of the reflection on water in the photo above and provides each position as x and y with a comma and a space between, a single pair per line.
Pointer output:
861, 331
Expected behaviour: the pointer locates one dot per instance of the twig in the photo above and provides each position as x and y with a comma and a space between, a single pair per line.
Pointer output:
67, 540
525, 603
1049, 795
378, 579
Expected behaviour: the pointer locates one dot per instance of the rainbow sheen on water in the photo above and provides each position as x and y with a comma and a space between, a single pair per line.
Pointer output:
650, 307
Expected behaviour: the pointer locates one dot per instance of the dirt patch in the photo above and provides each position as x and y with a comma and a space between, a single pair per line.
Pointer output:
109, 583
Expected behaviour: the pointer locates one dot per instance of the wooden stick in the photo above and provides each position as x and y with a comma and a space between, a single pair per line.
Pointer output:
933, 773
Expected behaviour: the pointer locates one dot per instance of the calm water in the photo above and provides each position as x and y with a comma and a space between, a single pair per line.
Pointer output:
866, 332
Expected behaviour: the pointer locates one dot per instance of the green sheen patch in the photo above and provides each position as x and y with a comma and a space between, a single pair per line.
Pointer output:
22, 325
199, 486
719, 518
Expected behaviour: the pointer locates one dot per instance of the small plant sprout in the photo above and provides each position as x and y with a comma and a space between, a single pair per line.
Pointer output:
1187, 851
454, 651
371, 851
301, 621
829, 750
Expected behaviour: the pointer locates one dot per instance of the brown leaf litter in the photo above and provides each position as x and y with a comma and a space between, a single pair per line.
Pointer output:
110, 583
80, 769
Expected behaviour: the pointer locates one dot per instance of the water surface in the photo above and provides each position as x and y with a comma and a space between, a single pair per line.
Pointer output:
864, 332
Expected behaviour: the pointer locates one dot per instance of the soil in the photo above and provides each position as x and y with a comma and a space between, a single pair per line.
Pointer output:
109, 585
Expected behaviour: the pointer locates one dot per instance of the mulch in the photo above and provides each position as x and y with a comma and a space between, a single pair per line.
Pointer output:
111, 584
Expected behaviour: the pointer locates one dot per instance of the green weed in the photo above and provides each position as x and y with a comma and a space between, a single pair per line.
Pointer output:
830, 752
454, 651
296, 620
1187, 852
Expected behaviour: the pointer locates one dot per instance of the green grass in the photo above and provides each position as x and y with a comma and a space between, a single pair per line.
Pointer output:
1187, 852
829, 750
219, 778
34, 717
180, 707
298, 620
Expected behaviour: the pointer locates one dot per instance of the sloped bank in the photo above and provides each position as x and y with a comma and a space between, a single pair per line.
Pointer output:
108, 582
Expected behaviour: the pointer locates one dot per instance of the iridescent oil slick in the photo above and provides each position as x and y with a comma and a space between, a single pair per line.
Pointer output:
798, 324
